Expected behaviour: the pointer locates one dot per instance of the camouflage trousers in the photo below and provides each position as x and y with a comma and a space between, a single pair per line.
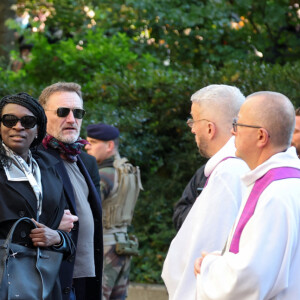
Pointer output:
115, 278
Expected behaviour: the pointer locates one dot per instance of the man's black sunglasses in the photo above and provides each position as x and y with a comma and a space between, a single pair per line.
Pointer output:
62, 112
11, 120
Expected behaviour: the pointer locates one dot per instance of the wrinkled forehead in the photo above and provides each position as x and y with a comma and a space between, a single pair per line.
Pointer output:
64, 99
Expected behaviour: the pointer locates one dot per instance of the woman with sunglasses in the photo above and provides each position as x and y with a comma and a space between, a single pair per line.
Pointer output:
29, 185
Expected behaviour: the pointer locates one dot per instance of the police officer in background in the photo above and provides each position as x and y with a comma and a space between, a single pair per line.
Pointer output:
119, 185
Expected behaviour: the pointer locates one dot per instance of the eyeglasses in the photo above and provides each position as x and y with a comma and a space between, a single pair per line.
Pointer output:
235, 125
190, 122
62, 112
27, 122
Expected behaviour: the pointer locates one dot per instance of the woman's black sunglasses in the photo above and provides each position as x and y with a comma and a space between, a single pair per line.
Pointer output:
11, 120
62, 112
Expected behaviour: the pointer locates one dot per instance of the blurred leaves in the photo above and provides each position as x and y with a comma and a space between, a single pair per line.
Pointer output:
138, 63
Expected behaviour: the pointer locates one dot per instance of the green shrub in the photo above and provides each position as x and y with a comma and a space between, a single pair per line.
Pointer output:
149, 102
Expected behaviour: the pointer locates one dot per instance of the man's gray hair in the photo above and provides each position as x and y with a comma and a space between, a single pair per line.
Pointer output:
222, 102
59, 87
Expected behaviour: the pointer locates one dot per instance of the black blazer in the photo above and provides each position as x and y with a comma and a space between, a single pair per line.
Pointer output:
94, 284
17, 199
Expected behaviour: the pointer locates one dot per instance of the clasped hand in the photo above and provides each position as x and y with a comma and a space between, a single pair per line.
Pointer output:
199, 260
43, 236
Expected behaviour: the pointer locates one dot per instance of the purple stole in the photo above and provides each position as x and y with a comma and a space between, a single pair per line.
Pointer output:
258, 188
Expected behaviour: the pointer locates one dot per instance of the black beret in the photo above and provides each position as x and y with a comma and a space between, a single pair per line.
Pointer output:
102, 132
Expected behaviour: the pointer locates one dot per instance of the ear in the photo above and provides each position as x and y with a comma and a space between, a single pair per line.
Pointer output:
211, 129
110, 146
262, 137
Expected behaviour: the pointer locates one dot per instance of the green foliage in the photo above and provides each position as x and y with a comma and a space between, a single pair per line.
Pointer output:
139, 63
209, 32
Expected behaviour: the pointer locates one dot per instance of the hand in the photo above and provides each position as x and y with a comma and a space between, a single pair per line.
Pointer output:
199, 260
198, 263
44, 236
67, 221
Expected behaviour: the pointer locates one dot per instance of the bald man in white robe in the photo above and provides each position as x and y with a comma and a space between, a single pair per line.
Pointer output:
262, 256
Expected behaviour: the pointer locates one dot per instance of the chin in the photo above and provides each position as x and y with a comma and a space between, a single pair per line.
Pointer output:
68, 139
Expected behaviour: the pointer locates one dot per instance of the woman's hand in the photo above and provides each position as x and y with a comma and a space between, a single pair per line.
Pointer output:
44, 236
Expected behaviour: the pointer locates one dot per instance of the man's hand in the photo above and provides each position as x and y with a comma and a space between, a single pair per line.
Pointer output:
67, 221
198, 263
44, 236
199, 260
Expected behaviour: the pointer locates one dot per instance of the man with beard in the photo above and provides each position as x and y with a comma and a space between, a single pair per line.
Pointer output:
63, 106
210, 219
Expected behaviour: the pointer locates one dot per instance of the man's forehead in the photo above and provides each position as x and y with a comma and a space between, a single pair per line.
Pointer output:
92, 139
65, 99
245, 108
195, 108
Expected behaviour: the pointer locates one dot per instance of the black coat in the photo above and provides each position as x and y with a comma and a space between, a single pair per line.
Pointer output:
17, 199
94, 284
188, 198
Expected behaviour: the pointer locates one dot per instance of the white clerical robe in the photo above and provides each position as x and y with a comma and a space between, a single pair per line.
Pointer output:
208, 223
267, 266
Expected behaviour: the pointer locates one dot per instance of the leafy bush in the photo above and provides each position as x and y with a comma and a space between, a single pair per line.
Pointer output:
126, 83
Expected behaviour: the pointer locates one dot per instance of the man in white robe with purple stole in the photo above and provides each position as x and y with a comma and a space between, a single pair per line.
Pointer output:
209, 221
262, 256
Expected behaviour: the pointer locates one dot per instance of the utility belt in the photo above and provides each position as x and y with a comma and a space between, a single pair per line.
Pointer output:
125, 244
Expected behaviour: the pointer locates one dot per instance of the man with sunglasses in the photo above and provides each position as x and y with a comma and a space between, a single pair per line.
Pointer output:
207, 225
63, 106
262, 255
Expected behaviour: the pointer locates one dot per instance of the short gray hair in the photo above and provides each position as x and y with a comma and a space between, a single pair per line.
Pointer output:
222, 101
59, 87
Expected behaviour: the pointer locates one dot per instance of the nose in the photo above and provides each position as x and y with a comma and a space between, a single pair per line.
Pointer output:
70, 117
87, 146
192, 130
233, 132
18, 126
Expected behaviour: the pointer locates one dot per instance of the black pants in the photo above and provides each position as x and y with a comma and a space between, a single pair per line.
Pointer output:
79, 286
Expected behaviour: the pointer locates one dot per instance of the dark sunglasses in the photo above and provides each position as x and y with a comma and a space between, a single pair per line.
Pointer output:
11, 120
62, 112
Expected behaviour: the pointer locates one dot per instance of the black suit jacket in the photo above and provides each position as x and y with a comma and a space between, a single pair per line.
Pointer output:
94, 284
17, 200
